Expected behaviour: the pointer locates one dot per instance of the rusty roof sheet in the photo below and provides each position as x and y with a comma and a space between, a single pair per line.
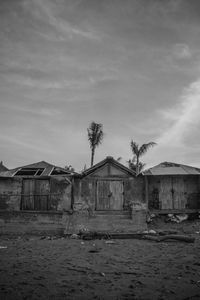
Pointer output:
168, 168
48, 168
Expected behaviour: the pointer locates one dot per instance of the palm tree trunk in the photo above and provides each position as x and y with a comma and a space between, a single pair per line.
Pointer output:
92, 156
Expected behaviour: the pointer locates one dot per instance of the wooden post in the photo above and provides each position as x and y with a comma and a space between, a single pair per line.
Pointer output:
146, 191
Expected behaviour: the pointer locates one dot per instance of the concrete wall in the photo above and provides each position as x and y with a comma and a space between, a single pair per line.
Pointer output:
61, 191
84, 194
59, 223
84, 216
10, 193
25, 222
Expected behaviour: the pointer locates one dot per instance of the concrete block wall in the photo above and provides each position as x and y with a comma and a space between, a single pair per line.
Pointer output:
10, 193
33, 223
53, 223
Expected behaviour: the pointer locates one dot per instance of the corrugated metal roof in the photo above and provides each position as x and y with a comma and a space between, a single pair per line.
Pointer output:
169, 168
48, 168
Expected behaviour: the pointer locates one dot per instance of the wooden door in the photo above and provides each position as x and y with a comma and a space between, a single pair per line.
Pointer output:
42, 190
116, 198
109, 195
28, 194
103, 195
165, 196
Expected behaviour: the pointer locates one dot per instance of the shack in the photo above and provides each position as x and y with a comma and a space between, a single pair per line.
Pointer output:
110, 197
34, 197
172, 187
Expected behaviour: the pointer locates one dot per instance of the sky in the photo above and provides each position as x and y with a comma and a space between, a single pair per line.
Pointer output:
132, 65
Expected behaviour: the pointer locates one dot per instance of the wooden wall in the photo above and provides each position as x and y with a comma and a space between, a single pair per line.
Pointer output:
42, 194
174, 192
85, 191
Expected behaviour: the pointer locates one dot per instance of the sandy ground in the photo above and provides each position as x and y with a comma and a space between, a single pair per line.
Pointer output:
62, 268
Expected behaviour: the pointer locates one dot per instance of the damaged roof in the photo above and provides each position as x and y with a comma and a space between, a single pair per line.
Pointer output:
169, 168
41, 168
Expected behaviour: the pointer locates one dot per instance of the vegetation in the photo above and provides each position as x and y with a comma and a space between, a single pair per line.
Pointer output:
95, 137
132, 165
69, 168
138, 151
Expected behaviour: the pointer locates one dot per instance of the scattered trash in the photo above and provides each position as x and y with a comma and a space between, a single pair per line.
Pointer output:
152, 232
197, 232
83, 230
176, 218
150, 217
110, 242
82, 243
182, 217
74, 236
3, 247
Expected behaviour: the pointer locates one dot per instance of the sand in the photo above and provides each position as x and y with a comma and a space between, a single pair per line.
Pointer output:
63, 268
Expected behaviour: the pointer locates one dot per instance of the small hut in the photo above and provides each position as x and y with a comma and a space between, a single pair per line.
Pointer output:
39, 186
112, 196
173, 187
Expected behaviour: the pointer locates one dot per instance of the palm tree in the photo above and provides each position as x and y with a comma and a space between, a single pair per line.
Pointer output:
139, 151
132, 165
95, 137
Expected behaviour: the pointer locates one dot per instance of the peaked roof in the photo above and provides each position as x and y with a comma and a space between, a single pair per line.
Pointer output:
48, 168
108, 159
169, 168
2, 167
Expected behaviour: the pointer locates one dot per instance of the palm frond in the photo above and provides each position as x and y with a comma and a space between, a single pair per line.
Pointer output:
132, 164
145, 147
95, 134
134, 148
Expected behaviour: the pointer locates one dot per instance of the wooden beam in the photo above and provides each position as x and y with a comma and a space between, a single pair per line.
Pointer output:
173, 211
146, 191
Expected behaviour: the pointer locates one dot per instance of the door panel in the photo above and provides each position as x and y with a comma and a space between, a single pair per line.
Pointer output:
109, 195
166, 193
103, 192
28, 194
35, 194
116, 199
42, 190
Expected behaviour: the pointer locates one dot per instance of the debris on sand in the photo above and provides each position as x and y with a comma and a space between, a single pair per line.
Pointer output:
110, 242
153, 232
176, 218
182, 238
74, 236
3, 247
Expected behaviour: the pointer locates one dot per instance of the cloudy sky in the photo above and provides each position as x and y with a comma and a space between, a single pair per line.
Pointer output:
133, 65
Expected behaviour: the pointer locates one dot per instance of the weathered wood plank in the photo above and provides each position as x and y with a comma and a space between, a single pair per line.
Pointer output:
165, 193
